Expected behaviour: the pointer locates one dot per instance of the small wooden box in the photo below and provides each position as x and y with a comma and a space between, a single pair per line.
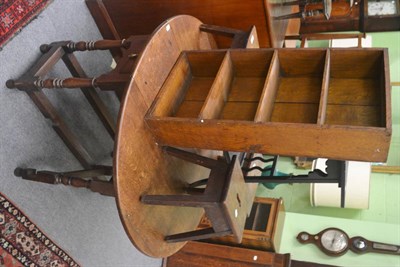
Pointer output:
263, 228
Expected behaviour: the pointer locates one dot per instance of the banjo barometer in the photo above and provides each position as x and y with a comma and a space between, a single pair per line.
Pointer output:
335, 242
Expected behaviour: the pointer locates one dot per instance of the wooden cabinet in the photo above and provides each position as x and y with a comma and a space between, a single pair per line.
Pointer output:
343, 18
332, 103
263, 228
363, 16
198, 254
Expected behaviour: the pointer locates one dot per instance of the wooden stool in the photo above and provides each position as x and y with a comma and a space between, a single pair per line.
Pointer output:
32, 83
224, 199
115, 80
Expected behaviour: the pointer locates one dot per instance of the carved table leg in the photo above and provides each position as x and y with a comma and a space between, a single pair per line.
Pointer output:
71, 178
71, 47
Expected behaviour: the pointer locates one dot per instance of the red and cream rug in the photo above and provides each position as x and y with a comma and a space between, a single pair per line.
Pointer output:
15, 14
23, 244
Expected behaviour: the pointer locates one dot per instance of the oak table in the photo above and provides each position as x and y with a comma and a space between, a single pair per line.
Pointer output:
140, 165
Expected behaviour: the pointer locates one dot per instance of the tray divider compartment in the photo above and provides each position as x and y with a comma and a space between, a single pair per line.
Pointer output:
323, 104
266, 105
299, 89
251, 69
219, 91
356, 90
171, 96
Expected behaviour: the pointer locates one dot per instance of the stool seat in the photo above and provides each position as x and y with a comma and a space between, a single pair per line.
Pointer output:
224, 199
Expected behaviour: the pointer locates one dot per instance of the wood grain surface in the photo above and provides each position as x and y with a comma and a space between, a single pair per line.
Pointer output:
141, 167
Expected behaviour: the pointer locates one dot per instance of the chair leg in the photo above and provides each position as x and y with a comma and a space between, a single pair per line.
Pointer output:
191, 157
300, 14
99, 170
198, 183
239, 37
102, 187
175, 200
195, 191
229, 32
196, 235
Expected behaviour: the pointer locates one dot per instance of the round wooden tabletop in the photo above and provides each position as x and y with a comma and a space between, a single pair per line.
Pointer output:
140, 165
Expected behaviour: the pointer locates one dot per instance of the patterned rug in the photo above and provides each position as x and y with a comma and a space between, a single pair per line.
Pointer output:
15, 14
23, 244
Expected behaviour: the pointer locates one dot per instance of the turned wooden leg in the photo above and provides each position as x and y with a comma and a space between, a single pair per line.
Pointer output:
102, 187
53, 83
102, 82
71, 47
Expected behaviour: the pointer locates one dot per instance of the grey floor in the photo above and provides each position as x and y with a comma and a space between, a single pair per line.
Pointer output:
83, 223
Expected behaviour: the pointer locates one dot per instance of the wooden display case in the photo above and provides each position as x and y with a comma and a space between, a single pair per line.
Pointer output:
263, 228
264, 100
